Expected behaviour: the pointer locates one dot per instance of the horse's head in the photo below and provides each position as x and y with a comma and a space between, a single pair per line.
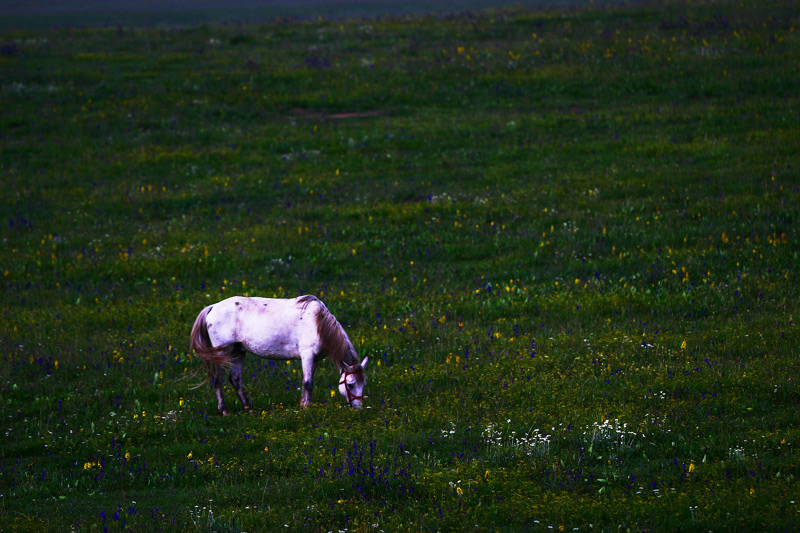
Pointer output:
351, 383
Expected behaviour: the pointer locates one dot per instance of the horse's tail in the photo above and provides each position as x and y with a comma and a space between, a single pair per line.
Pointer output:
199, 341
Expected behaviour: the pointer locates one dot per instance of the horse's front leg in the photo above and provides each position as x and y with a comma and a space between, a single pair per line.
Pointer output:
309, 366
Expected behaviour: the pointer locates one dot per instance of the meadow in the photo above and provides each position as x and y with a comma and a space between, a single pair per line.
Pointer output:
566, 239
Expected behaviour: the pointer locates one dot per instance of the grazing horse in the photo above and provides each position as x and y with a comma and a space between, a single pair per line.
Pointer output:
280, 329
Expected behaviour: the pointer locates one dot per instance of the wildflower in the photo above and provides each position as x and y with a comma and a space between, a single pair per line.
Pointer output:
461, 492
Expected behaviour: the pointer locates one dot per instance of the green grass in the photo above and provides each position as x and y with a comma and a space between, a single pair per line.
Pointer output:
567, 240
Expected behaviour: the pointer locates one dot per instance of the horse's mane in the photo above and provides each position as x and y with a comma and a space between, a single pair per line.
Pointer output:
335, 342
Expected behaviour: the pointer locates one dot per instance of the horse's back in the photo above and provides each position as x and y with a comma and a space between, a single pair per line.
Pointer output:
254, 305
268, 327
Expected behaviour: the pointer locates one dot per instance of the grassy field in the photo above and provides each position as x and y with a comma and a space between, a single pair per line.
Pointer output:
45, 14
567, 240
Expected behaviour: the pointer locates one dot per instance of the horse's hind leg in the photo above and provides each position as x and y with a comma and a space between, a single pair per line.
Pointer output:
217, 384
235, 376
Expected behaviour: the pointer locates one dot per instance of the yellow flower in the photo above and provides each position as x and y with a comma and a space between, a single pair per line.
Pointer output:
691, 466
333, 393
459, 491
189, 456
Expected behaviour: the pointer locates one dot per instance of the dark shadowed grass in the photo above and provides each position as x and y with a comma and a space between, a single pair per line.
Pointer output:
567, 240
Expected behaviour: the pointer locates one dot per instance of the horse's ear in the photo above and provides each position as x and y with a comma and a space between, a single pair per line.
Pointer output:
364, 362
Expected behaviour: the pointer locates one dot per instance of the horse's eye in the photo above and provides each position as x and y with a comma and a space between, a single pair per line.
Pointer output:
350, 385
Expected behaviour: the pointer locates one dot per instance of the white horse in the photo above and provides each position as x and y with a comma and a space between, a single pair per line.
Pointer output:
281, 329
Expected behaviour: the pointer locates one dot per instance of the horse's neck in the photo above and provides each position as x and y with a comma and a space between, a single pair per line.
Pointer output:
334, 339
349, 359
